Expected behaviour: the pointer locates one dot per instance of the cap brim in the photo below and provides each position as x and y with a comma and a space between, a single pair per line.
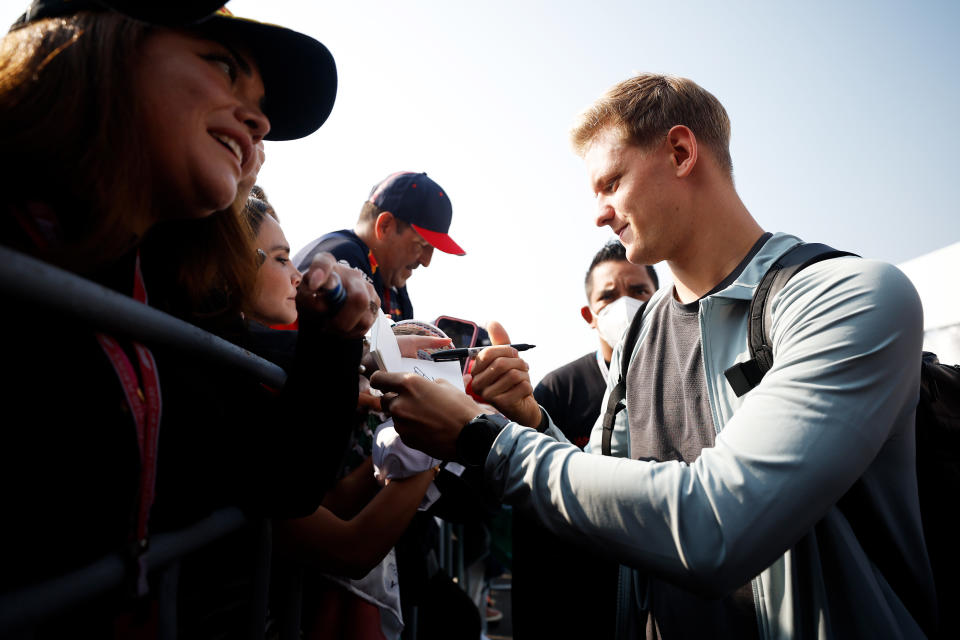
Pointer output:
440, 241
299, 74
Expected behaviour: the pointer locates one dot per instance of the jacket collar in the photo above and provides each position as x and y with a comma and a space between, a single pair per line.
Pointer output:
744, 286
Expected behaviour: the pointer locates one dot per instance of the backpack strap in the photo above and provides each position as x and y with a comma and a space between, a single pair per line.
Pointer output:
744, 376
616, 401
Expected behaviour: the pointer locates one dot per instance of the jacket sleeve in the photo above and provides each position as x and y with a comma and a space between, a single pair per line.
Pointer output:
552, 430
846, 337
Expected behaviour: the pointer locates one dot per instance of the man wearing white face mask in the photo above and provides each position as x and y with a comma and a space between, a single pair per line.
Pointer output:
550, 574
615, 290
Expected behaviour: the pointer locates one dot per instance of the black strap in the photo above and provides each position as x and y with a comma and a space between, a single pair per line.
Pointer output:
617, 398
744, 376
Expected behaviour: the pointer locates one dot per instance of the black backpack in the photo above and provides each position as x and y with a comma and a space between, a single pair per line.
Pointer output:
937, 422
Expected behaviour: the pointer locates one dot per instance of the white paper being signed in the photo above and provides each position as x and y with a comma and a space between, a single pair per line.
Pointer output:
386, 351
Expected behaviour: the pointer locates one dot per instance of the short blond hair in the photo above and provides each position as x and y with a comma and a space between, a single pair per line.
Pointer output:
645, 107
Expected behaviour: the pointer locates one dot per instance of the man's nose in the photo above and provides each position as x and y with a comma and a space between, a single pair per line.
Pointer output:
425, 256
605, 212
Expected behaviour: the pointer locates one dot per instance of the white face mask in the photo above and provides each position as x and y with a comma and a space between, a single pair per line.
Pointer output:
613, 319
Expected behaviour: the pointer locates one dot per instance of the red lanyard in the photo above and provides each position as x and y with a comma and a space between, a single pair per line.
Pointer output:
143, 398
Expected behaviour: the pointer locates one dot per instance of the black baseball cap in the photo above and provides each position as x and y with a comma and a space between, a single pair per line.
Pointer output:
299, 73
418, 200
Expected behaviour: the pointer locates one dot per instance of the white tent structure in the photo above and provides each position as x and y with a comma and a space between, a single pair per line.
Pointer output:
935, 277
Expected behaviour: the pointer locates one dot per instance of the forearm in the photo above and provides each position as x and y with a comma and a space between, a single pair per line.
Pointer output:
391, 511
698, 526
353, 547
352, 492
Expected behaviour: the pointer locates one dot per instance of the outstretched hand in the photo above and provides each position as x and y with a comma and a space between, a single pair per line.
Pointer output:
359, 308
428, 415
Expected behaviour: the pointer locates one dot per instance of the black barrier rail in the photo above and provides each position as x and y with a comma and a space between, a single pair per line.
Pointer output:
48, 286
39, 283
44, 285
29, 606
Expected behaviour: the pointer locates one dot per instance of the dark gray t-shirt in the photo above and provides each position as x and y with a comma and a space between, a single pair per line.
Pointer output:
670, 419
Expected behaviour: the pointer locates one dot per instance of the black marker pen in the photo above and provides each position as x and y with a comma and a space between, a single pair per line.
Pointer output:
457, 354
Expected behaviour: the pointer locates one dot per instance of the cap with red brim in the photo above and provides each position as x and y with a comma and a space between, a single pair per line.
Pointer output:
416, 199
440, 241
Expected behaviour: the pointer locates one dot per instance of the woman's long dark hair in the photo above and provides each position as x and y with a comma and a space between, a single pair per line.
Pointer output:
71, 137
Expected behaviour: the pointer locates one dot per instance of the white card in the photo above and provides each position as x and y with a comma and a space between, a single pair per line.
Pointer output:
386, 352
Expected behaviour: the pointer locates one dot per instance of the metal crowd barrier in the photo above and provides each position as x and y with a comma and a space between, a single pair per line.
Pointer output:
44, 285
30, 606
47, 286
50, 287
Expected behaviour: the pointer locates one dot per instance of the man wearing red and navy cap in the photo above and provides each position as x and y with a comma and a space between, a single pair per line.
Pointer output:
405, 218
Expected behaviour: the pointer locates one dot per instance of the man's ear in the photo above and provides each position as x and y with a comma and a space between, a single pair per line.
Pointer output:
683, 149
588, 316
384, 224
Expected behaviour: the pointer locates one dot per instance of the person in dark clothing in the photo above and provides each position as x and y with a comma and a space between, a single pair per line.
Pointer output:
405, 218
572, 394
135, 182
352, 533
550, 574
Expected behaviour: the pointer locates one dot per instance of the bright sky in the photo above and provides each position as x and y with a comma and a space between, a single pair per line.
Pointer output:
844, 117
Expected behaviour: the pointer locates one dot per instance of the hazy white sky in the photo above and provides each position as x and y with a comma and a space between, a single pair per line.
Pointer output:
844, 117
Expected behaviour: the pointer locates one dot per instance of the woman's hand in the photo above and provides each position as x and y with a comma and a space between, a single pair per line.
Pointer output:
339, 297
367, 400
410, 344
250, 173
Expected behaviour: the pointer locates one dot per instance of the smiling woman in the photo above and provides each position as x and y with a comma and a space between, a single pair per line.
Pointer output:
193, 99
126, 154
202, 101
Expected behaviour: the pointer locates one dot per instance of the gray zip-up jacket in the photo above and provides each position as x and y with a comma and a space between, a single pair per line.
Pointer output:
836, 410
